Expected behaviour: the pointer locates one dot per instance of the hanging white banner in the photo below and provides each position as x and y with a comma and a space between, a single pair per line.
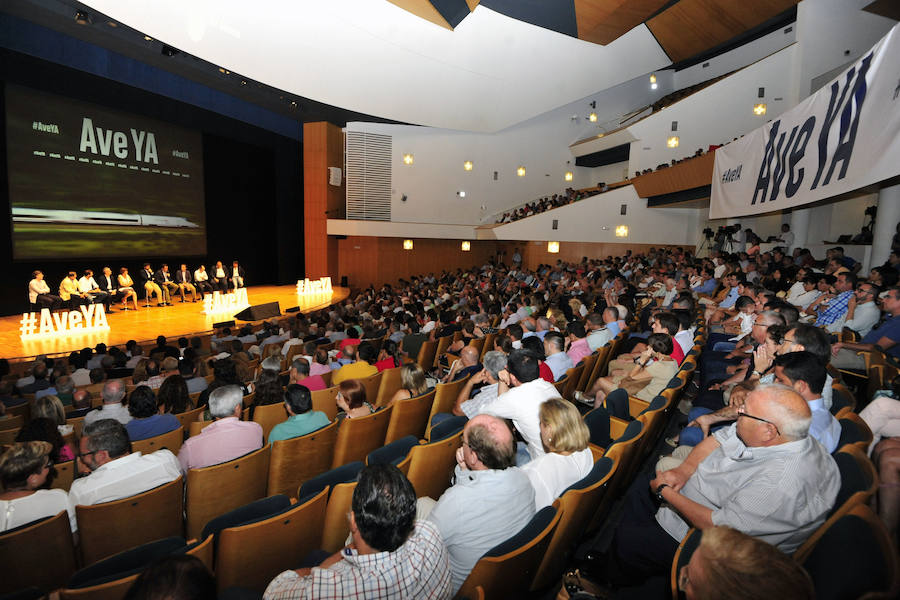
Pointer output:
843, 137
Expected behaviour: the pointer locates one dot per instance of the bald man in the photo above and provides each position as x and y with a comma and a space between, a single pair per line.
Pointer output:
113, 395
491, 500
764, 476
466, 364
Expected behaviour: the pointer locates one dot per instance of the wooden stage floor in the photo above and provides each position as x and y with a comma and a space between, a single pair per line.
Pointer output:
148, 323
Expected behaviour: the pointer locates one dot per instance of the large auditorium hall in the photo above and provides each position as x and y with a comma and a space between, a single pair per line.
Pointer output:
433, 299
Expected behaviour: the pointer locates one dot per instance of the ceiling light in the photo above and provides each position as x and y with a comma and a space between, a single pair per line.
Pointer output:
461, 193
168, 51
653, 79
408, 159
622, 231
465, 246
553, 247
569, 176
148, 38
82, 18
672, 142
520, 171
112, 24
407, 244
468, 166
592, 117
759, 109
243, 82
653, 86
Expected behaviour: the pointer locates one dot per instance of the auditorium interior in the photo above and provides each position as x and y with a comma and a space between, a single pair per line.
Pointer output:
385, 199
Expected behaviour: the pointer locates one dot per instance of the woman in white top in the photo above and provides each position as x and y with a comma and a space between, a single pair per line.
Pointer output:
567, 460
24, 468
126, 288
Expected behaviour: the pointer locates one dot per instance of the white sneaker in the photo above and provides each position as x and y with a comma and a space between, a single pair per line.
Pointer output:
580, 397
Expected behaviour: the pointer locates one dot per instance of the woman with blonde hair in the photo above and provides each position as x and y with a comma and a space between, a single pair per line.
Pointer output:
568, 459
51, 407
557, 318
412, 383
126, 288
24, 470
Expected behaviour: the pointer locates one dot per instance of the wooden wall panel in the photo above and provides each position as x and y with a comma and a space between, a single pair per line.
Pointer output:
375, 261
323, 147
686, 175
604, 21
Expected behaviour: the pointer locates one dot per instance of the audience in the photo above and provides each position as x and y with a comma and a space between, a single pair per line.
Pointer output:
25, 468
225, 439
113, 408
146, 421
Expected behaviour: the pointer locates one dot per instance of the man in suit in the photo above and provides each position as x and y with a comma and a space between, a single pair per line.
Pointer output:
218, 277
201, 280
150, 286
69, 292
88, 285
237, 276
108, 285
164, 280
183, 280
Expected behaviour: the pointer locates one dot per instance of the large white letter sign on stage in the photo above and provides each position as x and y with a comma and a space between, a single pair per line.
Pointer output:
91, 318
217, 303
317, 287
843, 137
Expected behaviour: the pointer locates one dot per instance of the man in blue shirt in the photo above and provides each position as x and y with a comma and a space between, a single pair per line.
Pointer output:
302, 419
708, 285
884, 338
837, 306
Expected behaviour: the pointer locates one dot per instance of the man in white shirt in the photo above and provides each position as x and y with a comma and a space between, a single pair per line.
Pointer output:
862, 312
237, 275
201, 281
787, 237
494, 362
115, 472
519, 397
113, 393
89, 288
39, 292
720, 267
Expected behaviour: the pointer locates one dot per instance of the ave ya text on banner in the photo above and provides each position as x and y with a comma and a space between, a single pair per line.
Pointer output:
843, 137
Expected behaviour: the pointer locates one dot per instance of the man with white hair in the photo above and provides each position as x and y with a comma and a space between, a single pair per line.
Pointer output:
764, 476
489, 377
113, 393
227, 438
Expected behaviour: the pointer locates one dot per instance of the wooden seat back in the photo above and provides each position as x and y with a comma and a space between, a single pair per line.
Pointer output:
250, 556
372, 383
198, 426
215, 490
65, 475
357, 437
268, 416
409, 417
301, 458
445, 395
42, 555
488, 344
171, 440
426, 355
12, 422
324, 401
336, 526
442, 345
111, 527
430, 466
188, 417
573, 376
588, 363
390, 383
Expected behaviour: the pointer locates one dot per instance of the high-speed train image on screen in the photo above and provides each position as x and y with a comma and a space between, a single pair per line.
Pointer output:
87, 217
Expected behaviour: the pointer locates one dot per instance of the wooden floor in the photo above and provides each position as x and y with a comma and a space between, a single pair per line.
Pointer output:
148, 323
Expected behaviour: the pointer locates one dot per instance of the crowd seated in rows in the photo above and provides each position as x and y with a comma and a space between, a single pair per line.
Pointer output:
760, 461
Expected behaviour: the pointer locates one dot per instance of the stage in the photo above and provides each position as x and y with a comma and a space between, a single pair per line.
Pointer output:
147, 323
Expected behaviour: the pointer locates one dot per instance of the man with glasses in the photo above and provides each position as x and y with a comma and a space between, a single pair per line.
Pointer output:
764, 476
862, 311
115, 472
883, 338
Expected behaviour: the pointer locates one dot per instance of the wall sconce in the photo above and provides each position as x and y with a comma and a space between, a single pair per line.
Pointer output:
553, 247
468, 166
569, 176
408, 159
592, 117
653, 84
759, 109
466, 246
622, 231
672, 142
407, 244
520, 171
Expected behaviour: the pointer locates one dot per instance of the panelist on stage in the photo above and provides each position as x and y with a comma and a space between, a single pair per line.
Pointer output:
39, 292
150, 286
218, 276
69, 292
201, 280
126, 288
237, 276
164, 279
183, 281
88, 285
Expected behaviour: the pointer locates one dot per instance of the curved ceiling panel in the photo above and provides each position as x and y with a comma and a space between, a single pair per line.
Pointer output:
371, 56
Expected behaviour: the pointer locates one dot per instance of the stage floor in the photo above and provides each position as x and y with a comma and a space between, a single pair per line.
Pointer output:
148, 323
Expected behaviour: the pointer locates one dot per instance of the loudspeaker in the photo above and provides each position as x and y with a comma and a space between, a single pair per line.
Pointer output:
344, 281
292, 309
258, 312
223, 324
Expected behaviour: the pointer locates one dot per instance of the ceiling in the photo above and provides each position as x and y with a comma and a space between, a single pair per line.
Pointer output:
473, 65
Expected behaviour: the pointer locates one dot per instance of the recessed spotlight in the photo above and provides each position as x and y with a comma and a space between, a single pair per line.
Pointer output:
653, 86
569, 176
468, 166
553, 247
592, 117
520, 171
112, 24
243, 82
672, 142
408, 159
622, 231
652, 78
759, 109
465, 246
148, 38
461, 193
407, 244
82, 18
